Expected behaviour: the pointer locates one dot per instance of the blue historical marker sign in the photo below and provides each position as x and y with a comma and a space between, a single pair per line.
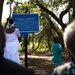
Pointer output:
26, 22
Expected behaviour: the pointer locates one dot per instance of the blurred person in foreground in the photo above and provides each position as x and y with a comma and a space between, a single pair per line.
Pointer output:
69, 42
9, 67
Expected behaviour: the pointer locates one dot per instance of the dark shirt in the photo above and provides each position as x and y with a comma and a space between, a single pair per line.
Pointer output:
8, 67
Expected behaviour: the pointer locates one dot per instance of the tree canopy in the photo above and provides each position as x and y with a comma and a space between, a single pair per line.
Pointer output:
51, 17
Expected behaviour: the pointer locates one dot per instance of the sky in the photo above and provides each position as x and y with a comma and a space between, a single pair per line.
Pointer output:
6, 10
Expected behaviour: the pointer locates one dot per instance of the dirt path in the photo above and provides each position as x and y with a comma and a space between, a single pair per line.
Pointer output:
41, 65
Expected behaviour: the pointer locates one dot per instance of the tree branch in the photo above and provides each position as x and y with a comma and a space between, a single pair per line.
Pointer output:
52, 14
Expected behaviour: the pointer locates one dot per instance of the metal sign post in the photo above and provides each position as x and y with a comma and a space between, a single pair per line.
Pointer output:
26, 48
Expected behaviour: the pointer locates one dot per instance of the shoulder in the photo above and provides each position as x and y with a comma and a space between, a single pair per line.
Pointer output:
10, 30
55, 45
16, 29
58, 44
15, 68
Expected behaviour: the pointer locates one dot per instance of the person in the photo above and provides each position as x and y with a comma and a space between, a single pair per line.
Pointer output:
56, 50
12, 46
69, 42
7, 66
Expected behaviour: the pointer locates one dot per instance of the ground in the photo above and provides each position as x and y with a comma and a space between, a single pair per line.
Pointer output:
40, 64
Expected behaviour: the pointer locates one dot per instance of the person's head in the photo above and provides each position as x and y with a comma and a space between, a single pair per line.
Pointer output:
56, 39
11, 23
69, 38
2, 39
